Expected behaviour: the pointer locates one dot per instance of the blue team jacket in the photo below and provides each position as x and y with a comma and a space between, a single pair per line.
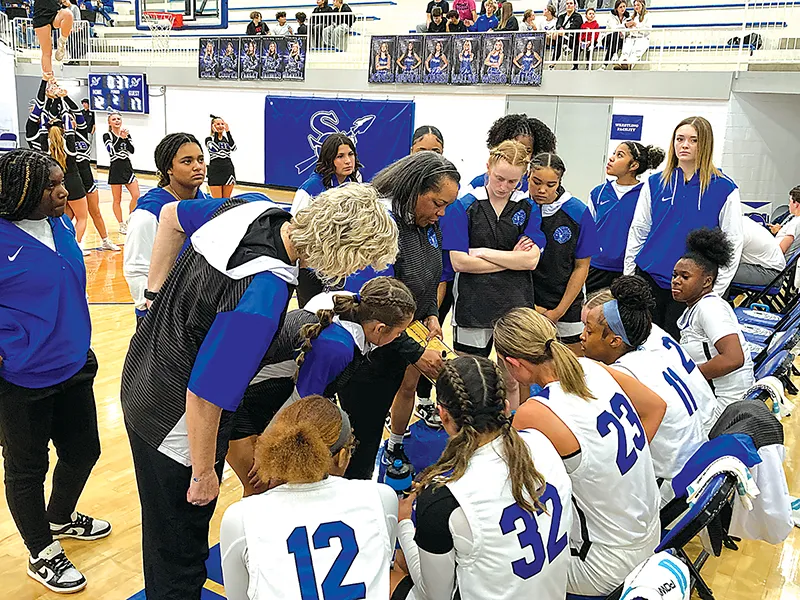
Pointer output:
613, 216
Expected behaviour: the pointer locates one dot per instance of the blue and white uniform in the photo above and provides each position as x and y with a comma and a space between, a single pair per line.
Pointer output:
466, 73
142, 229
480, 181
437, 72
384, 74
313, 187
407, 73
481, 299
571, 234
665, 214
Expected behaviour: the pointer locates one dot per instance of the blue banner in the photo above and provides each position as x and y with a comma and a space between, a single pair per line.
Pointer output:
296, 127
626, 127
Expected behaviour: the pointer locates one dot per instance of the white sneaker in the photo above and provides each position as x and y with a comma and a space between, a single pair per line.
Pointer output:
109, 245
123, 228
54, 570
61, 50
83, 250
81, 527
427, 412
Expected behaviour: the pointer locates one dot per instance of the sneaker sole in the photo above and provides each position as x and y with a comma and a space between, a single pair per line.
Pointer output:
87, 538
57, 590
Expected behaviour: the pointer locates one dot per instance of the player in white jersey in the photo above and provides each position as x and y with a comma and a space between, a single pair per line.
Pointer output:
613, 334
315, 535
710, 332
493, 513
600, 421
676, 358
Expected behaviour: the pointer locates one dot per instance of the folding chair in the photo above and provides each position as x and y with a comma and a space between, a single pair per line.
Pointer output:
777, 294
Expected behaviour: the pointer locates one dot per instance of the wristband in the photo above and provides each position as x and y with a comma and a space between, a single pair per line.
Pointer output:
150, 295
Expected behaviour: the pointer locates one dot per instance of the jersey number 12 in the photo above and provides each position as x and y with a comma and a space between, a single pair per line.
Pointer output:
332, 588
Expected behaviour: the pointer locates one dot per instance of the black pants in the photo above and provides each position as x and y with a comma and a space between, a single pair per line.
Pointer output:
29, 419
597, 279
571, 42
667, 310
425, 386
174, 532
367, 398
613, 44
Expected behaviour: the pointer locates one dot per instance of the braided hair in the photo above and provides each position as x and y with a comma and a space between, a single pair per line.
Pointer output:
24, 177
383, 299
165, 153
548, 160
473, 391
511, 126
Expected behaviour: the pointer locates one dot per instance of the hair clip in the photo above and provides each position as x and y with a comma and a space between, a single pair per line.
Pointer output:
357, 298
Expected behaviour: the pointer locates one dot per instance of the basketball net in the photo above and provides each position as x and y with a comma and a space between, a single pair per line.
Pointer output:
160, 25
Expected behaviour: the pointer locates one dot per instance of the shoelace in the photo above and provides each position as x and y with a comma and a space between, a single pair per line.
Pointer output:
60, 564
83, 521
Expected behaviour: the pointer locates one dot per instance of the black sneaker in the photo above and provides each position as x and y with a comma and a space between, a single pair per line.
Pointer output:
82, 527
397, 453
427, 412
388, 426
53, 570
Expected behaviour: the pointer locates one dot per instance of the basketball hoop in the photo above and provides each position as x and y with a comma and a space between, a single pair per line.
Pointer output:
160, 25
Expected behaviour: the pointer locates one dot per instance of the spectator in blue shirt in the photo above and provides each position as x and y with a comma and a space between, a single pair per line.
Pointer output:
487, 22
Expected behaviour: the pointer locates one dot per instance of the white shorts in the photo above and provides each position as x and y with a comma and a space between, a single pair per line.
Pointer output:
605, 568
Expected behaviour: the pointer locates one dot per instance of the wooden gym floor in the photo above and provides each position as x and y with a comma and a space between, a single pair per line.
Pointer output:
113, 565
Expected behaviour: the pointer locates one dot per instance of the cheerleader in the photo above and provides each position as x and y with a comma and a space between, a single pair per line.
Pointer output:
181, 168
227, 63
266, 540
408, 64
494, 239
337, 164
689, 193
493, 63
613, 334
208, 61
488, 475
119, 144
48, 16
528, 62
334, 333
710, 333
612, 205
250, 61
436, 65
383, 67
83, 149
294, 61
206, 336
528, 131
600, 421
571, 241
466, 73
220, 144
271, 65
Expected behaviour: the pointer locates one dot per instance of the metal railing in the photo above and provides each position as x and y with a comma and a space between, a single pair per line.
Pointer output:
5, 30
345, 45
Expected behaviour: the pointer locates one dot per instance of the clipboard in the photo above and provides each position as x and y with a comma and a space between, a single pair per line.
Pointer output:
419, 333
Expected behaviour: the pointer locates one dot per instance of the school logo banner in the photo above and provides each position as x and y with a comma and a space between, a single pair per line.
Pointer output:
296, 127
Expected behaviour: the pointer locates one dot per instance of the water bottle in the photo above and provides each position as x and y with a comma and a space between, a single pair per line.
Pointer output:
776, 407
399, 477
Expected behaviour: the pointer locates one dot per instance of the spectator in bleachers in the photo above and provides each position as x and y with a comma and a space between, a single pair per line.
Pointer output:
488, 21
788, 234
508, 22
256, 26
570, 20
76, 12
637, 41
588, 40
454, 23
482, 11
762, 257
617, 24
466, 11
549, 21
335, 34
440, 4
318, 25
302, 28
282, 28
100, 10
528, 21
437, 24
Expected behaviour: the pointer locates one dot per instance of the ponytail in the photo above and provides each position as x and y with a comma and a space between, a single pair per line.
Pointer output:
472, 390
525, 334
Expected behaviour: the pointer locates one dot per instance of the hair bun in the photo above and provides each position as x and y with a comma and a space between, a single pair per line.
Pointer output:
633, 293
711, 244
655, 156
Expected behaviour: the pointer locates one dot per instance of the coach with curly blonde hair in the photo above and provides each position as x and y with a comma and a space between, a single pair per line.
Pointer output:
213, 317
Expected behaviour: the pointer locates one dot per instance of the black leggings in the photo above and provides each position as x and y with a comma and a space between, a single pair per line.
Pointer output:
29, 418
667, 311
613, 44
367, 398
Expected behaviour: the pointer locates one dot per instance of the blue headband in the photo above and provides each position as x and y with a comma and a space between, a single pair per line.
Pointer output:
611, 313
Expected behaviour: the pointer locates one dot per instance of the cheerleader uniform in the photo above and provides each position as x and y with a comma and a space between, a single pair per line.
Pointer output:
83, 147
294, 67
665, 214
119, 150
43, 110
408, 74
571, 234
72, 177
208, 66
44, 12
250, 66
220, 166
271, 69
229, 66
612, 206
